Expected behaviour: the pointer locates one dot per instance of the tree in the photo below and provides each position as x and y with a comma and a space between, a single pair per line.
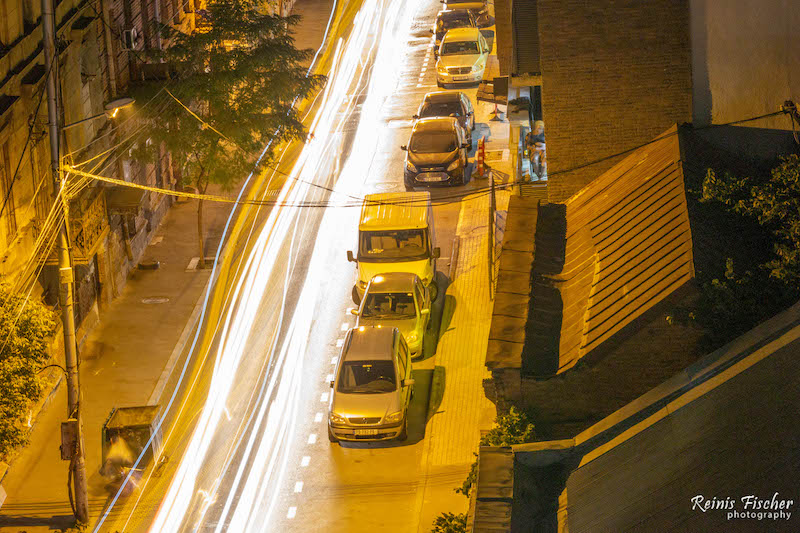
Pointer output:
26, 326
240, 74
733, 303
513, 427
450, 523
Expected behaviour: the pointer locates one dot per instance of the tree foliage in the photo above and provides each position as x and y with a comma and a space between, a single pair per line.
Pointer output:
450, 523
513, 427
25, 329
733, 303
240, 74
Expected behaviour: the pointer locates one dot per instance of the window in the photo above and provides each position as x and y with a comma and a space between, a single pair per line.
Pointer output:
389, 245
367, 377
403, 357
8, 191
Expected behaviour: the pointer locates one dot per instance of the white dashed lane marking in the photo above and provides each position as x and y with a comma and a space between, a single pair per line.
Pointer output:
318, 417
328, 378
345, 326
292, 512
323, 397
340, 343
305, 461
312, 438
298, 487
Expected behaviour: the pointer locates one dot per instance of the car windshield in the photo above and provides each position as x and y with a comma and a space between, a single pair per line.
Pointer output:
448, 21
454, 48
389, 305
440, 109
367, 377
392, 245
433, 142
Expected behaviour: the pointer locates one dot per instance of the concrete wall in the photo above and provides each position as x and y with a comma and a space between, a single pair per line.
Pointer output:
745, 59
615, 74
641, 357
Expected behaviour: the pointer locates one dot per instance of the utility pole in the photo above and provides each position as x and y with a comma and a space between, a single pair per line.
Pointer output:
77, 463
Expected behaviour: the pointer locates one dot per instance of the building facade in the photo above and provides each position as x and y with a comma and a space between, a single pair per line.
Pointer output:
101, 47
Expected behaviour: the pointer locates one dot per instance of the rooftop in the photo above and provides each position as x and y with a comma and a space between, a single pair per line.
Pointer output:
608, 254
395, 210
369, 344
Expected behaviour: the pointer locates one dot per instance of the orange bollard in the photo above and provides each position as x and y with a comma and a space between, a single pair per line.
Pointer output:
480, 157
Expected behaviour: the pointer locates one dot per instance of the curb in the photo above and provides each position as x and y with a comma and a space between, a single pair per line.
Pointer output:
437, 386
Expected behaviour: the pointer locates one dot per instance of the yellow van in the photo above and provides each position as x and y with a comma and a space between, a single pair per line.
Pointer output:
395, 234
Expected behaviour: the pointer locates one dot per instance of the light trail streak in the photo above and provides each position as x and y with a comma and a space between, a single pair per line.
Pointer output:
381, 29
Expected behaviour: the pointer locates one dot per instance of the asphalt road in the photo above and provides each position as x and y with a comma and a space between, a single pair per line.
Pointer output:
245, 442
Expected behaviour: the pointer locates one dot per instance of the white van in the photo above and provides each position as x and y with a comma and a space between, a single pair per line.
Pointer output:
396, 234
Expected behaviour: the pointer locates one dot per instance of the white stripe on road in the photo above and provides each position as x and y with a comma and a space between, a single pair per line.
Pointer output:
292, 512
312, 438
305, 461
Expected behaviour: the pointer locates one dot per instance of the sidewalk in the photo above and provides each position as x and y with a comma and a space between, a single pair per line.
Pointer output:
464, 411
123, 358
121, 362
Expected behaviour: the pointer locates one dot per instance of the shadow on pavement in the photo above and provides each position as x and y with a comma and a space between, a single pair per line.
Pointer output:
436, 391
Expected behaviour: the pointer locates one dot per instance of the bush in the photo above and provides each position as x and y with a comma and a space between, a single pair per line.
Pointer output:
736, 301
510, 428
25, 328
450, 523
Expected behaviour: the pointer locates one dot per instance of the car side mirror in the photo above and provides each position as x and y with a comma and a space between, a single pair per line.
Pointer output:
431, 30
408, 382
425, 311
469, 113
331, 383
437, 253
403, 147
354, 311
466, 145
415, 117
350, 256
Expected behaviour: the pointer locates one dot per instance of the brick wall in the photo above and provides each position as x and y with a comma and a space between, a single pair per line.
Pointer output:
646, 354
615, 73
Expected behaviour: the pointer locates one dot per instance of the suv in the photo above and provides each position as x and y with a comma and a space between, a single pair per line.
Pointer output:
372, 387
436, 153
448, 19
462, 57
397, 300
449, 104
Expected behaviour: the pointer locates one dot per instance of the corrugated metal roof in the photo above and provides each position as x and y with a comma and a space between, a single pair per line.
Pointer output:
525, 24
626, 246
395, 210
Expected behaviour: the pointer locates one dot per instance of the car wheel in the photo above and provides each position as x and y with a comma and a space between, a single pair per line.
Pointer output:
433, 290
356, 296
331, 436
404, 432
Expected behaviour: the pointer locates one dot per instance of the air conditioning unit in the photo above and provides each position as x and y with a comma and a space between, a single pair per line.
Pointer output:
130, 38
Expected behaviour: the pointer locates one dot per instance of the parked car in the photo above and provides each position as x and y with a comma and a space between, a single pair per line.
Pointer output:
436, 153
397, 300
396, 234
449, 104
462, 57
448, 19
372, 387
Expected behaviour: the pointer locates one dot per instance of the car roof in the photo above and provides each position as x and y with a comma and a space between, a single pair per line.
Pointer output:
395, 210
435, 124
462, 34
392, 282
442, 96
367, 343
